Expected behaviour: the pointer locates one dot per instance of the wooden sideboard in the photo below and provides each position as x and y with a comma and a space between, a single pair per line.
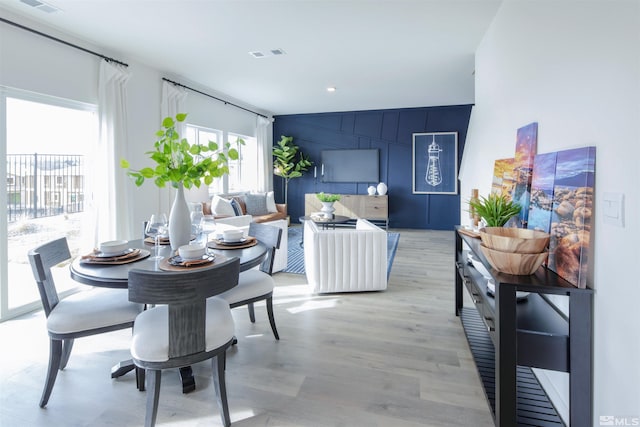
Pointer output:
372, 208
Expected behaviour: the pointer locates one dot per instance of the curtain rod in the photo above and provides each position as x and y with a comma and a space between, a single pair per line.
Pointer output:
22, 27
214, 97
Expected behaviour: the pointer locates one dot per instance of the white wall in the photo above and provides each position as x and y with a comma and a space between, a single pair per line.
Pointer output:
31, 62
574, 67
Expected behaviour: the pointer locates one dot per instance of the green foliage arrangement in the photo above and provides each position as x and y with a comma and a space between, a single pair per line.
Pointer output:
289, 162
495, 209
182, 163
326, 197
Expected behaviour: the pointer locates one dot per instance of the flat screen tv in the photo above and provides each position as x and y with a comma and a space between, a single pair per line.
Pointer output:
361, 165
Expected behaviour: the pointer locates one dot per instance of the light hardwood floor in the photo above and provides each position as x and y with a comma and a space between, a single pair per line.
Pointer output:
397, 358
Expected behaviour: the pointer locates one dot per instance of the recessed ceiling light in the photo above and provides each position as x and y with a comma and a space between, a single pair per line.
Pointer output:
331, 89
277, 52
257, 54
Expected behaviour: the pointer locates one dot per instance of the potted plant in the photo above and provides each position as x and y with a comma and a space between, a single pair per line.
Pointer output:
183, 165
289, 162
327, 201
494, 209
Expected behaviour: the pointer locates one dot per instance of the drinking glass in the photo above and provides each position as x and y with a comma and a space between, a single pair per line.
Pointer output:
157, 226
207, 225
196, 218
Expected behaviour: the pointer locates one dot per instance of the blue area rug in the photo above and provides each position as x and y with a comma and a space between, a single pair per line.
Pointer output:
295, 253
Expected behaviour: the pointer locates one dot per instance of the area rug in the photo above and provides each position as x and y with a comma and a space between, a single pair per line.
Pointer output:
295, 253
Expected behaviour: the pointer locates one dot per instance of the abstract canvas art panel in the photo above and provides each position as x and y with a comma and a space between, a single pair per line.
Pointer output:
502, 182
571, 219
526, 147
541, 202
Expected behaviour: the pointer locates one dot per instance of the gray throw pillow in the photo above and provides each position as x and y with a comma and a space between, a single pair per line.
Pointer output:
256, 204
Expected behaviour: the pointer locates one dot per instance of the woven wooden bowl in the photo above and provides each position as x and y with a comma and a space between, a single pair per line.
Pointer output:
519, 240
513, 263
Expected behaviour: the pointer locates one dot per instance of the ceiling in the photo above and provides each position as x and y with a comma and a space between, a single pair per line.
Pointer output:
379, 54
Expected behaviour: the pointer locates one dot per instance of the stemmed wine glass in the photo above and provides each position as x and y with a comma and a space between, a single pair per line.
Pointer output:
156, 227
207, 226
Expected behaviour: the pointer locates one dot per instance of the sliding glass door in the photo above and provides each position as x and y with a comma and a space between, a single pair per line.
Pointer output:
46, 143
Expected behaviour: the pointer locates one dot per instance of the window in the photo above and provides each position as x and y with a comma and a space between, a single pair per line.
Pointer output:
201, 136
243, 173
47, 142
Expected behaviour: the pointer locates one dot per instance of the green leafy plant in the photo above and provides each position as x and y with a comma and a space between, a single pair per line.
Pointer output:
326, 197
289, 162
495, 209
181, 163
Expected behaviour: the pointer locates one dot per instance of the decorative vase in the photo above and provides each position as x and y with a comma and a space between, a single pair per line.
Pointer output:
382, 189
371, 190
179, 220
328, 209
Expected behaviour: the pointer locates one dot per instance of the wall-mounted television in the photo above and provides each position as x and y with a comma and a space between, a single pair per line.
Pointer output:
361, 165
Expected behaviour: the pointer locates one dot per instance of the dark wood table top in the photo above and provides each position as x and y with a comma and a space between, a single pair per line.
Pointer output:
116, 276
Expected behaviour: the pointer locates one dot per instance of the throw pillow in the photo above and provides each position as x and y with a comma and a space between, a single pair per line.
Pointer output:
221, 207
256, 204
271, 202
236, 207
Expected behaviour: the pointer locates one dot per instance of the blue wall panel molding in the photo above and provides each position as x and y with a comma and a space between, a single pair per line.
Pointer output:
391, 131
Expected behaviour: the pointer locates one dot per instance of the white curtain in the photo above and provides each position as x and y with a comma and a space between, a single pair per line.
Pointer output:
265, 163
111, 185
173, 102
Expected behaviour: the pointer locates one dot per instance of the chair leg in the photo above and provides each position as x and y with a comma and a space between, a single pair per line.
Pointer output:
140, 378
67, 345
252, 312
153, 395
272, 319
218, 365
55, 355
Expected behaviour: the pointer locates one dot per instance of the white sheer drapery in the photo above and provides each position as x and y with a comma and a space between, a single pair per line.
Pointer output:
111, 186
265, 175
173, 102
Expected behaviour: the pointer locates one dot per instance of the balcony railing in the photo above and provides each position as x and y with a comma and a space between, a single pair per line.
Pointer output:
40, 185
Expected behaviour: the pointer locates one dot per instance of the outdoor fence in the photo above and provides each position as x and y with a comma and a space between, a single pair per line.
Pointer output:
41, 185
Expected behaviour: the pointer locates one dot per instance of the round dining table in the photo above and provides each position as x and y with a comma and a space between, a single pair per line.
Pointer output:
117, 275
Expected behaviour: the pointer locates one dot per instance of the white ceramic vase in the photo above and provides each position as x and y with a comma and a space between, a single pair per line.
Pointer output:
382, 189
371, 190
328, 209
179, 220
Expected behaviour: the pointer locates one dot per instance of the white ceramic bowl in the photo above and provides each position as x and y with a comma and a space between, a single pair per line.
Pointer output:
191, 252
114, 247
232, 235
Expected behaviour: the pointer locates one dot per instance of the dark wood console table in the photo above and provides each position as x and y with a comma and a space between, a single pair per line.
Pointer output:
507, 337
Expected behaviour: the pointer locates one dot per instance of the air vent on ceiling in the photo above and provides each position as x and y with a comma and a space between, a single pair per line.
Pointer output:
277, 52
257, 54
270, 52
40, 5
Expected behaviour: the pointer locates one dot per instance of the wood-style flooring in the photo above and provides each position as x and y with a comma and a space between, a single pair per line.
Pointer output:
396, 358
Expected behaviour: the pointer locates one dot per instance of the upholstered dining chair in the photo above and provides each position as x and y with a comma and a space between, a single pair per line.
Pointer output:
257, 284
79, 315
187, 325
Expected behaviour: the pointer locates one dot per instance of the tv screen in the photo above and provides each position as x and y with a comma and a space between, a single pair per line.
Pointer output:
361, 165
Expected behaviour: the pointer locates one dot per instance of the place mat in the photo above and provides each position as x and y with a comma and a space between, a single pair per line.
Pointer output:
133, 256
166, 265
218, 244
469, 233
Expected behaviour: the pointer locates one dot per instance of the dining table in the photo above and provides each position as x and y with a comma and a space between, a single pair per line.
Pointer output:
116, 274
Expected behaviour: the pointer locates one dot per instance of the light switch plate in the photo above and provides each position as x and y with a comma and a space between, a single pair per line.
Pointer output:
613, 209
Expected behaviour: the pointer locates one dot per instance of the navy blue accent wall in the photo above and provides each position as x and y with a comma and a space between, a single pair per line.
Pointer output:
389, 130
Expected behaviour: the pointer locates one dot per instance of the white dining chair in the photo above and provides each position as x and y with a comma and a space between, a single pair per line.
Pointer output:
79, 315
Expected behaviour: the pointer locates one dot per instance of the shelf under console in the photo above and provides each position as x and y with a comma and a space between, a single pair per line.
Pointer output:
533, 405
